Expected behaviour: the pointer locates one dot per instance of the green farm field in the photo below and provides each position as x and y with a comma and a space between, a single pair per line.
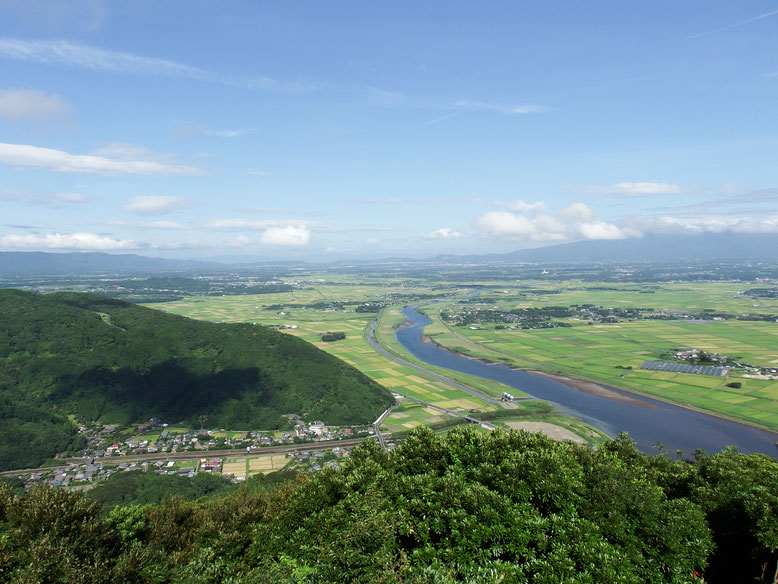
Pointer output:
610, 354
697, 296
354, 349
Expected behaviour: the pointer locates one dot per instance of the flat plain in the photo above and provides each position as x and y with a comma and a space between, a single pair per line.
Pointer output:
605, 353
611, 353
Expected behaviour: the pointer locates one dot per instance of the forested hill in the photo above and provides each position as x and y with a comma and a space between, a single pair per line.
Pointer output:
103, 359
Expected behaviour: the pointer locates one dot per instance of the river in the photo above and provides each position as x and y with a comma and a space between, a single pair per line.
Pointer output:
647, 421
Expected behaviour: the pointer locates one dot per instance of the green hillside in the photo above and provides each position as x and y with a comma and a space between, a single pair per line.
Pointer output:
103, 359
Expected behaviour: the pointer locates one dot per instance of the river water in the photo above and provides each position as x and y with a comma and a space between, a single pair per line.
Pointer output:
646, 420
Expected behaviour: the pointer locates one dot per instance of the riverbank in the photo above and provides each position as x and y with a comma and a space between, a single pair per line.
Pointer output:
593, 388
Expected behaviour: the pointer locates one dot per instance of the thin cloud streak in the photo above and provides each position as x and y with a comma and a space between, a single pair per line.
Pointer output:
519, 109
25, 156
48, 199
737, 24
94, 59
436, 120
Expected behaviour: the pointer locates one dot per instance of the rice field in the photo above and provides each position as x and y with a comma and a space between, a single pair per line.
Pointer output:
610, 354
244, 467
310, 324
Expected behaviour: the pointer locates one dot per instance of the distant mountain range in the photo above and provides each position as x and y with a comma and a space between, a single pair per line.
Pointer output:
662, 248
28, 263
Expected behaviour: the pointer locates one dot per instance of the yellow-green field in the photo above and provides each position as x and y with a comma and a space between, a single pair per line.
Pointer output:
250, 465
612, 353
604, 353
354, 349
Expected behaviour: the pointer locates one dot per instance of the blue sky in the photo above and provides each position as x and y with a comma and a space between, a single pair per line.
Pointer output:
328, 130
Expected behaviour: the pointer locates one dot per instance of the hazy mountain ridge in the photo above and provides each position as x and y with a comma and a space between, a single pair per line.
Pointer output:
664, 248
709, 246
25, 263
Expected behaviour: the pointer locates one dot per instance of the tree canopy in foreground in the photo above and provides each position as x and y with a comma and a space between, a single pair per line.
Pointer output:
468, 507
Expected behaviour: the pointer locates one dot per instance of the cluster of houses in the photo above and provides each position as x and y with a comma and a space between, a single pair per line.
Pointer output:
696, 356
71, 475
315, 460
104, 441
74, 475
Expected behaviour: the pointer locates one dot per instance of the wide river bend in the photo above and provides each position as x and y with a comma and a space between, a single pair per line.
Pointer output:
647, 421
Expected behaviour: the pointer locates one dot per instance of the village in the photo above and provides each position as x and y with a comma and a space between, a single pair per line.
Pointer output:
125, 447
157, 436
236, 468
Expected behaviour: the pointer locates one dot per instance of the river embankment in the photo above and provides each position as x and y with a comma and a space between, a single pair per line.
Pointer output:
647, 420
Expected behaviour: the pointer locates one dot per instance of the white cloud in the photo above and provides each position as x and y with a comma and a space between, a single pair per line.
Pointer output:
191, 244
74, 241
22, 155
602, 230
155, 205
22, 104
442, 233
577, 212
372, 241
516, 109
85, 57
254, 172
506, 224
551, 227
636, 189
523, 207
291, 235
714, 224
573, 222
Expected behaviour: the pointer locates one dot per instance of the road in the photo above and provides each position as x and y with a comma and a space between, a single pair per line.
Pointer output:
190, 454
471, 390
287, 448
379, 421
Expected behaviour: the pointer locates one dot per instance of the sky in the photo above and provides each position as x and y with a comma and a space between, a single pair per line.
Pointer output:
345, 129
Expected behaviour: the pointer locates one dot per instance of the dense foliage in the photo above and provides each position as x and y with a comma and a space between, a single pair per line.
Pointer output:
103, 359
470, 507
142, 488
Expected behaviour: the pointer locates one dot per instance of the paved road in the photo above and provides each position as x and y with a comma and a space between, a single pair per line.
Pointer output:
287, 447
188, 455
377, 425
